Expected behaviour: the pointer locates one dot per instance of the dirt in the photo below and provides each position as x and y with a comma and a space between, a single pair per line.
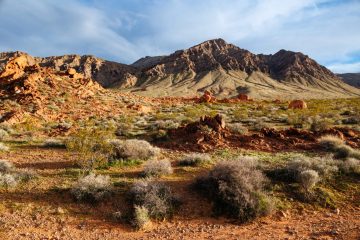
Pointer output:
44, 209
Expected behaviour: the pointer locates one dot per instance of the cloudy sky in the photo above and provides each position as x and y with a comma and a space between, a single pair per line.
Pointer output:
125, 30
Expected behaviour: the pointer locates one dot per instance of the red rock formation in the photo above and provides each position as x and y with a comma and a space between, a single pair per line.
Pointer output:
298, 104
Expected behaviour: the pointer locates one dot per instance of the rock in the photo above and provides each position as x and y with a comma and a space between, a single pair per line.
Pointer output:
297, 104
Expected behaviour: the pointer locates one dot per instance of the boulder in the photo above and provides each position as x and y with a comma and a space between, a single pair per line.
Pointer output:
297, 104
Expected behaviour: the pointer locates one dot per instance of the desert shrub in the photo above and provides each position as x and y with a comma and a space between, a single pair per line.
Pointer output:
308, 179
325, 166
8, 180
351, 120
259, 125
54, 143
6, 166
3, 134
349, 165
133, 149
166, 124
141, 217
238, 128
26, 174
195, 159
3, 147
158, 168
93, 148
91, 188
330, 142
236, 188
318, 125
345, 151
123, 129
157, 198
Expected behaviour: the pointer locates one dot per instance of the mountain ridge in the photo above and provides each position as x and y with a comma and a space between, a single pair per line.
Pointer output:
214, 65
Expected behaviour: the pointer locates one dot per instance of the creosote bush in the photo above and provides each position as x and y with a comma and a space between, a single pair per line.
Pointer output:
93, 148
133, 149
92, 188
237, 189
156, 197
157, 168
195, 159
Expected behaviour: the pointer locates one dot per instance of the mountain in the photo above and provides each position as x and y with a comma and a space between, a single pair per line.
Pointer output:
227, 70
215, 65
352, 79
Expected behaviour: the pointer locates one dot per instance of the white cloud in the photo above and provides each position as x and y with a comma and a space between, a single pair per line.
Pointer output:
345, 67
326, 30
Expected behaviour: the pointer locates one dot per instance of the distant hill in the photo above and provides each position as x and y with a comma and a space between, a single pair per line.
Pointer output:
352, 79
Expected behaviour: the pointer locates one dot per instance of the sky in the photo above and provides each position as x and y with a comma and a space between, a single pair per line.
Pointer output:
126, 30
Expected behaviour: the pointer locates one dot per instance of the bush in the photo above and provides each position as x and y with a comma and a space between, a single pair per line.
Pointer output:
195, 159
8, 180
238, 128
308, 179
167, 124
349, 165
236, 188
157, 198
345, 151
54, 143
141, 217
92, 188
319, 125
93, 148
158, 168
3, 134
3, 147
330, 142
133, 149
6, 166
325, 166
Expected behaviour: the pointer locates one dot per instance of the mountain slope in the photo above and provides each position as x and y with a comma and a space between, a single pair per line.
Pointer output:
352, 79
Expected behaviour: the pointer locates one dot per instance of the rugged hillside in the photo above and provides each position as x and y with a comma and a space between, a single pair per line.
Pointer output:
107, 73
47, 94
352, 79
227, 70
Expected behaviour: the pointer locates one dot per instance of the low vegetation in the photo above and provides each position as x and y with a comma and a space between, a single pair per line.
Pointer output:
195, 159
236, 188
156, 168
92, 188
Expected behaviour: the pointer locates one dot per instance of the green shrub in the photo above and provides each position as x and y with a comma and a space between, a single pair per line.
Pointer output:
4, 148
54, 143
308, 179
238, 128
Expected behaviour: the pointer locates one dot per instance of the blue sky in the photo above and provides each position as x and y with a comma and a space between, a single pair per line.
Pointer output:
125, 30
